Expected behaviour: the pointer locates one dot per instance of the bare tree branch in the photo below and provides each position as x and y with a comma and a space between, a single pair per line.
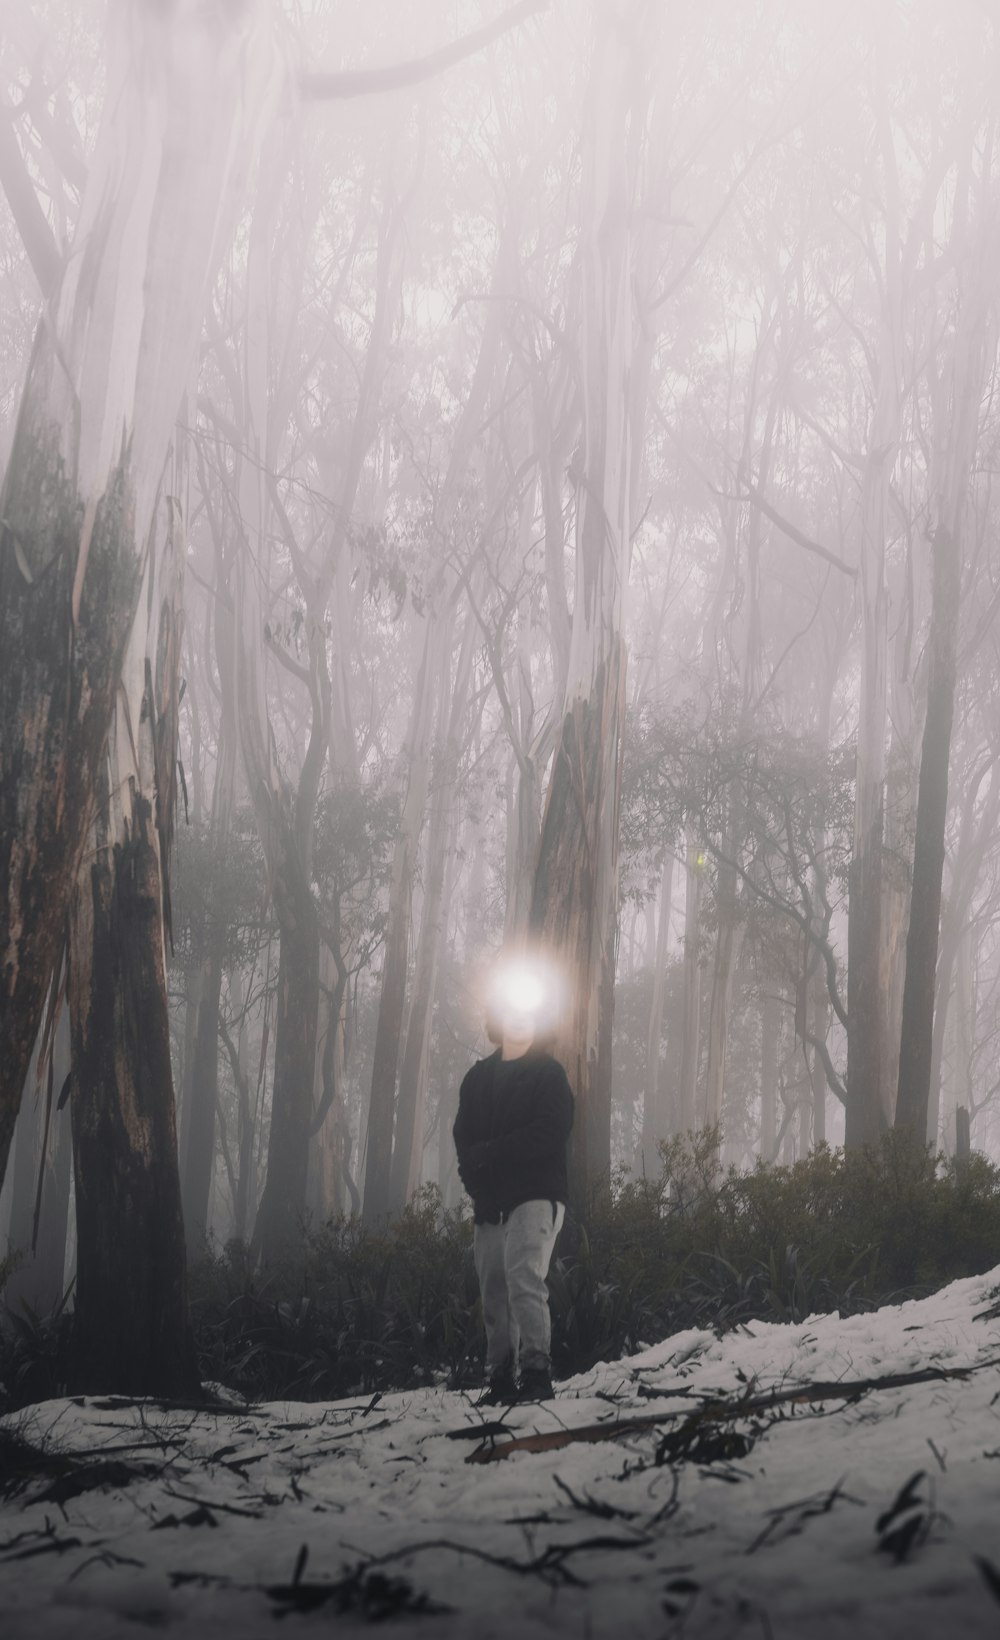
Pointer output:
786, 527
397, 76
39, 241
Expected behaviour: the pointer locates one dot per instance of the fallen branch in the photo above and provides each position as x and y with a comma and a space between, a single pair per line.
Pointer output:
716, 1411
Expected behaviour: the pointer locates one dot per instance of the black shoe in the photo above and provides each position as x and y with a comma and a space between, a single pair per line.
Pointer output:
536, 1385
501, 1391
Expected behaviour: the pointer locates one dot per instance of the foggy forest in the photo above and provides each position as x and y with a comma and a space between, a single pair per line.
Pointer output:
498, 480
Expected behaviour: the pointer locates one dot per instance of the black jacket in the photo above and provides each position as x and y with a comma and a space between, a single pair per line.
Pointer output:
514, 1118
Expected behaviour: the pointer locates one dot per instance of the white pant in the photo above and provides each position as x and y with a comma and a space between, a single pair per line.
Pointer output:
512, 1261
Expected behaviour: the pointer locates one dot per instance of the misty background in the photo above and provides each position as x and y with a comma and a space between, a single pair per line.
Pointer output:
624, 391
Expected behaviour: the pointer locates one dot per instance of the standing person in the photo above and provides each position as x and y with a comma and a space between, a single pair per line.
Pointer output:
515, 1112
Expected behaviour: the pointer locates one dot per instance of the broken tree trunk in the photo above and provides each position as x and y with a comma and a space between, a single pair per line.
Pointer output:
186, 93
131, 1328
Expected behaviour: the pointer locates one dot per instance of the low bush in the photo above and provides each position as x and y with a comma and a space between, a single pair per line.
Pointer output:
355, 1311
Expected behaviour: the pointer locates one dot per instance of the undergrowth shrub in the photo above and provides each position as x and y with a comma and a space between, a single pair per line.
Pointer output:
356, 1311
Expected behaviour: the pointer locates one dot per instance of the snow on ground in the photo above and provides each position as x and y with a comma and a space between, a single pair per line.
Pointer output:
776, 1523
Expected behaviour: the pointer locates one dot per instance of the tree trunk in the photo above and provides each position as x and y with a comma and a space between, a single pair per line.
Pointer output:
282, 1206
409, 1136
183, 106
24, 1172
203, 1096
866, 1115
574, 907
130, 1236
38, 1278
246, 1181
132, 1332
691, 1030
655, 1124
727, 945
770, 1035
819, 1005
916, 1037
382, 1105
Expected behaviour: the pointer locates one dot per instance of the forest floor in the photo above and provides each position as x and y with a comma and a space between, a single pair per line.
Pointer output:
839, 1478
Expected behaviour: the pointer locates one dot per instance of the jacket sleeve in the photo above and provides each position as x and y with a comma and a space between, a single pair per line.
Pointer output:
548, 1130
462, 1133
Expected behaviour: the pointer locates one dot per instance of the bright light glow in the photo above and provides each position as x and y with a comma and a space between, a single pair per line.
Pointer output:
521, 989
525, 995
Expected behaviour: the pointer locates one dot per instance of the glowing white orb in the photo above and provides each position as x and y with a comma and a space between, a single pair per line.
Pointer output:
521, 990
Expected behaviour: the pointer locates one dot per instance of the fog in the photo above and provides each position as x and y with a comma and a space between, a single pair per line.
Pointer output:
557, 447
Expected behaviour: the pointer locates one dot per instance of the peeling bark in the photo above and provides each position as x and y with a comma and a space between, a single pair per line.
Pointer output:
186, 92
574, 908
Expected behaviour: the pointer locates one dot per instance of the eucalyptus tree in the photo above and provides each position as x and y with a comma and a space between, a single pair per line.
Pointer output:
957, 389
184, 104
574, 904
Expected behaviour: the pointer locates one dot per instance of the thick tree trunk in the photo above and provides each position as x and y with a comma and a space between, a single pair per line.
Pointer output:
574, 910
132, 1332
916, 1038
411, 1106
130, 1238
574, 902
107, 373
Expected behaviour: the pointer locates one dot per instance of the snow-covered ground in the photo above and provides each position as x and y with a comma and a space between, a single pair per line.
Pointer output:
778, 1521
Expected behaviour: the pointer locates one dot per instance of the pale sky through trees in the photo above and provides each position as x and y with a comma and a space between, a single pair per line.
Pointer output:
643, 350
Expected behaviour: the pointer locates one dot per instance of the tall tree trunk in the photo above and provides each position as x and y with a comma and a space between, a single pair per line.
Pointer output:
655, 1124
132, 1333
728, 939
867, 1114
282, 1205
130, 1237
246, 1182
916, 1038
203, 1097
957, 396
818, 1003
198, 1127
182, 111
691, 1029
392, 997
575, 895
770, 1035
409, 1135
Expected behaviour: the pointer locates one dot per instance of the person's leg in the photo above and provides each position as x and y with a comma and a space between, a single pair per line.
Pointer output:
532, 1229
488, 1248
